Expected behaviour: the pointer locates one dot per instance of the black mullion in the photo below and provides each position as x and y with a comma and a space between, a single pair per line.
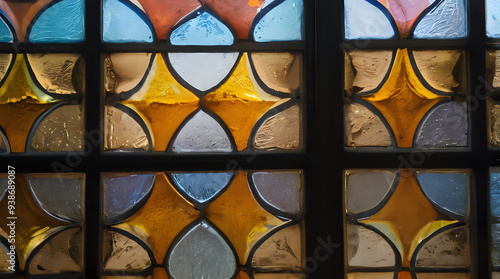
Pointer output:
91, 159
404, 43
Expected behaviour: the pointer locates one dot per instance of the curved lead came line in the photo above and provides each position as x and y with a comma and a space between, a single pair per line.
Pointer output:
10, 26
144, 246
424, 120
260, 14
422, 15
264, 86
5, 139
388, 14
135, 116
384, 80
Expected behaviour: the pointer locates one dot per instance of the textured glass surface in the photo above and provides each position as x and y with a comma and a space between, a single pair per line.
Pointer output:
447, 21
495, 245
422, 221
403, 100
202, 187
363, 20
280, 189
124, 24
31, 98
203, 71
3, 143
278, 71
366, 248
202, 133
201, 253
62, 22
495, 194
282, 23
6, 35
368, 275
233, 228
493, 18
48, 240
280, 131
122, 132
204, 29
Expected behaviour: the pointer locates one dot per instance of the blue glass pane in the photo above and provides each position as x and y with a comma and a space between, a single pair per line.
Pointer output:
448, 190
365, 21
123, 192
5, 32
204, 29
447, 21
283, 23
495, 194
202, 186
493, 18
122, 24
62, 22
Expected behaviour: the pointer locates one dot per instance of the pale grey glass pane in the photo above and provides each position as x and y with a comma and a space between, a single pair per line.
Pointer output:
282, 190
495, 194
446, 126
54, 72
280, 131
3, 143
277, 276
365, 191
123, 253
202, 253
202, 134
495, 239
122, 192
203, 70
443, 276
122, 132
283, 250
4, 183
365, 21
378, 275
448, 249
368, 249
447, 21
63, 253
202, 186
62, 130
364, 128
60, 196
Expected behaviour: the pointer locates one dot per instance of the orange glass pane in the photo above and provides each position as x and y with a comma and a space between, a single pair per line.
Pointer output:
405, 13
242, 275
163, 217
238, 104
240, 217
165, 105
164, 14
160, 273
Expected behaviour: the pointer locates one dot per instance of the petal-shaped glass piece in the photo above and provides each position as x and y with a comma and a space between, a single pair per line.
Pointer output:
4, 148
376, 183
495, 194
365, 248
54, 72
62, 22
493, 19
280, 131
202, 187
444, 276
363, 20
164, 14
202, 133
61, 254
364, 128
282, 23
449, 191
450, 248
437, 67
446, 126
371, 67
202, 253
122, 23
241, 217
59, 196
62, 130
282, 251
203, 71
21, 14
123, 253
123, 132
495, 244
278, 71
203, 29
123, 192
447, 21
126, 71
371, 275
5, 63
281, 190
6, 35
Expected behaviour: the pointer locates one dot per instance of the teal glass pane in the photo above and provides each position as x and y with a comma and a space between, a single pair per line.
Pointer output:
282, 23
123, 23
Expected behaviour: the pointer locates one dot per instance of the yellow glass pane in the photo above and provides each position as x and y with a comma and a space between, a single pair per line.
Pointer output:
240, 216
165, 105
403, 100
163, 217
239, 104
409, 216
32, 226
